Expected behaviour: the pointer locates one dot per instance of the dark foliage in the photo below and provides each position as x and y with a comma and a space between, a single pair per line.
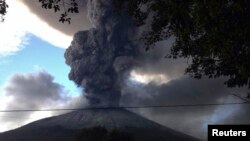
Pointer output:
214, 34
116, 135
3, 9
57, 5
92, 134
102, 134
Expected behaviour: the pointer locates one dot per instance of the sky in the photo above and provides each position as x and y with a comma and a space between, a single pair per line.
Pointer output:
30, 47
34, 71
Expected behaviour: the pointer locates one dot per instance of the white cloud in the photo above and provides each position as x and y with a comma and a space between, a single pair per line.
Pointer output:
146, 78
19, 23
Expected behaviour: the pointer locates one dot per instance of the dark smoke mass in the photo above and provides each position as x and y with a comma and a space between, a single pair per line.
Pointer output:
101, 57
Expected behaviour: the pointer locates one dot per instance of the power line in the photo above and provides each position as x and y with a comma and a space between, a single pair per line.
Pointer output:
246, 100
127, 107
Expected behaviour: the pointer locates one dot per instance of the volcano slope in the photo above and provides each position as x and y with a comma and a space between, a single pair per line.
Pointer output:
65, 127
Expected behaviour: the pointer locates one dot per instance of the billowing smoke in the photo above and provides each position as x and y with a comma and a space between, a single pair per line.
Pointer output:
101, 57
107, 63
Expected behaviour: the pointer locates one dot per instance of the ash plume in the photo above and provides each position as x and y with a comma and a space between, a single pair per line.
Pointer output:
101, 57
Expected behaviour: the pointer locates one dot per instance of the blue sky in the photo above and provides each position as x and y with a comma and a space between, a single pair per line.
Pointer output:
31, 49
31, 44
35, 55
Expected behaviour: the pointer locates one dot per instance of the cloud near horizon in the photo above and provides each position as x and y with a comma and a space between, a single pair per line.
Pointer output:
33, 91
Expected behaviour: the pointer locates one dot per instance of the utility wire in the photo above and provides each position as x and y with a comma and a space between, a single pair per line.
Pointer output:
246, 100
127, 107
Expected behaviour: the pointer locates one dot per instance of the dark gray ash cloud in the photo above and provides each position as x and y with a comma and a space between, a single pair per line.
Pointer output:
101, 57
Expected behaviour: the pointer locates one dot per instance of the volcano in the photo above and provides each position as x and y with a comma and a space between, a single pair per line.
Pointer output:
65, 127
